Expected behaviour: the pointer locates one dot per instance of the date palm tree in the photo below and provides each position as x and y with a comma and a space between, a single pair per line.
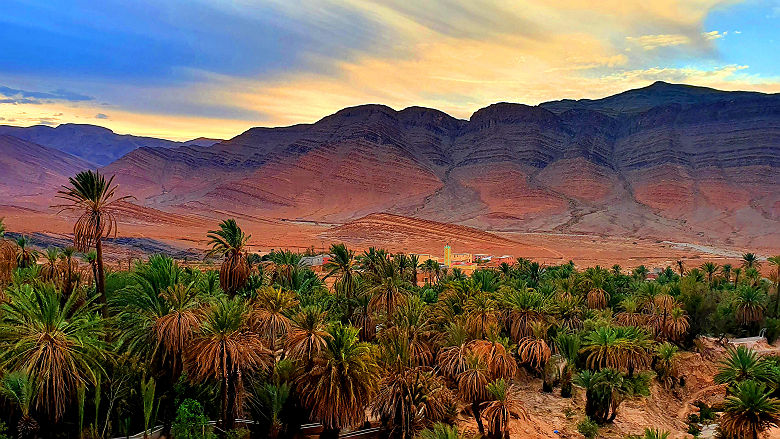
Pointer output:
534, 350
630, 316
226, 350
750, 305
473, 386
680, 267
750, 260
308, 335
19, 388
710, 268
749, 411
568, 347
269, 317
726, 272
25, 256
619, 348
92, 195
741, 364
341, 265
414, 264
775, 260
230, 242
50, 272
665, 366
505, 403
342, 381
58, 343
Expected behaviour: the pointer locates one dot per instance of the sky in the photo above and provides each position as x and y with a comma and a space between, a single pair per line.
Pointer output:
214, 68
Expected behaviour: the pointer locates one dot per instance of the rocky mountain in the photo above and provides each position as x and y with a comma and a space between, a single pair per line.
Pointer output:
665, 161
32, 173
92, 143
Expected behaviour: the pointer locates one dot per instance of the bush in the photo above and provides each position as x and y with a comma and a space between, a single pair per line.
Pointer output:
706, 413
772, 329
588, 428
191, 422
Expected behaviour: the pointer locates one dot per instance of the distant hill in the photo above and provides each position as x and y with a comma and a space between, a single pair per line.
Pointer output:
92, 143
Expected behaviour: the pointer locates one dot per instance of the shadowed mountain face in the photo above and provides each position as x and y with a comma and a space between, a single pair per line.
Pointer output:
666, 161
94, 144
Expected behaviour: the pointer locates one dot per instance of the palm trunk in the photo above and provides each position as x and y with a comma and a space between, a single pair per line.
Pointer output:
100, 281
478, 417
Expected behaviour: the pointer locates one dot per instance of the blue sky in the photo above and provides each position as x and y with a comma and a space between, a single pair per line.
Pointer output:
182, 69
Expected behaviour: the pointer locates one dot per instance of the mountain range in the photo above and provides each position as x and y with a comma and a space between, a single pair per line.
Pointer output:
666, 161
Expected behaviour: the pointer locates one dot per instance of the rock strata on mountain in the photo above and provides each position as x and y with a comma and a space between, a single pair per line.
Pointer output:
667, 161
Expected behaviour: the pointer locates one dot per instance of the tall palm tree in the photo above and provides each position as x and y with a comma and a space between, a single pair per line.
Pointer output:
414, 264
60, 344
710, 268
681, 267
19, 387
750, 304
91, 194
473, 386
726, 271
229, 242
342, 382
50, 271
389, 288
505, 403
665, 364
749, 411
737, 272
750, 260
341, 265
70, 270
775, 260
226, 350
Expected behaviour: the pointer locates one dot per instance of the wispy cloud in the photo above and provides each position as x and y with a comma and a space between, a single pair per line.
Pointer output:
101, 116
18, 96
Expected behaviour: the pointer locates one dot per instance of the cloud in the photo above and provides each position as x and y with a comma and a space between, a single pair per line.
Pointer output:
713, 35
101, 116
19, 96
650, 42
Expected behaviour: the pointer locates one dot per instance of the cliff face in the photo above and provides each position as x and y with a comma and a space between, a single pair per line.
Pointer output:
667, 161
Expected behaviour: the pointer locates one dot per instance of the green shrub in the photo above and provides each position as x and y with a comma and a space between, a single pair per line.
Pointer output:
694, 430
772, 329
191, 422
706, 413
588, 428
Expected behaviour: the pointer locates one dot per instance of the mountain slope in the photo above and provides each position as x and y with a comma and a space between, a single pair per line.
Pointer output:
92, 143
32, 173
665, 161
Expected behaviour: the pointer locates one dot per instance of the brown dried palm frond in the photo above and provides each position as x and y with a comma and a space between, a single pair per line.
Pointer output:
7, 261
473, 381
597, 298
533, 350
268, 316
176, 329
308, 334
497, 357
505, 403
677, 324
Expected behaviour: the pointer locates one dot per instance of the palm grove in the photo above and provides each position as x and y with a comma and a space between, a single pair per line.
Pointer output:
88, 351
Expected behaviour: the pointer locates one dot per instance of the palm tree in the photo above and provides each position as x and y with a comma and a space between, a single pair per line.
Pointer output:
677, 324
230, 242
269, 317
726, 271
741, 364
534, 350
25, 256
342, 382
750, 304
665, 364
342, 265
389, 287
481, 315
60, 344
505, 402
225, 349
617, 348
775, 260
640, 273
737, 272
441, 431
308, 335
473, 386
750, 260
710, 268
70, 270
681, 267
749, 411
568, 347
93, 195
630, 316
269, 400
597, 298
19, 387
414, 264
50, 271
